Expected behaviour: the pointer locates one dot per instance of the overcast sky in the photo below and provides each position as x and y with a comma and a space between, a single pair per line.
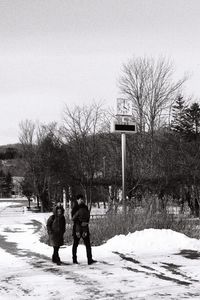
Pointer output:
54, 52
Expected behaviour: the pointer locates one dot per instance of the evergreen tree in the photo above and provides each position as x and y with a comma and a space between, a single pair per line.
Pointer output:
193, 120
179, 113
190, 122
186, 120
8, 184
5, 184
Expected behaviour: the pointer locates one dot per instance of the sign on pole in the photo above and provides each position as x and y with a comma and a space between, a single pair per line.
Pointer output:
123, 124
123, 128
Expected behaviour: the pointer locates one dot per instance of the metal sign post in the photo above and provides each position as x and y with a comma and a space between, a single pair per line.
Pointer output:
123, 124
123, 144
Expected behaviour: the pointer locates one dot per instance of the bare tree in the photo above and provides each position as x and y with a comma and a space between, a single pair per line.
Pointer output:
45, 160
150, 86
132, 85
81, 129
27, 131
27, 138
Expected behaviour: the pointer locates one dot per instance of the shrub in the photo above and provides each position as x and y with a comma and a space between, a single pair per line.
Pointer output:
102, 229
111, 224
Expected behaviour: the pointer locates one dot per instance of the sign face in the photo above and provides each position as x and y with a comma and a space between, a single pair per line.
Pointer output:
123, 128
124, 107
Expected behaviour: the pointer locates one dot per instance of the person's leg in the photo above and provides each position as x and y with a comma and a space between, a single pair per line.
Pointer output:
55, 257
74, 249
86, 240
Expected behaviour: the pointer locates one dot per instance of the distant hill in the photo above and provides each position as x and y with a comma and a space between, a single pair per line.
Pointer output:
13, 166
10, 159
15, 146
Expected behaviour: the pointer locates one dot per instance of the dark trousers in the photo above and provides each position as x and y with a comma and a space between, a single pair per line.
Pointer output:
87, 245
55, 252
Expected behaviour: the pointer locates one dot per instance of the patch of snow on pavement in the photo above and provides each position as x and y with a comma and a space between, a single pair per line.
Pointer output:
149, 264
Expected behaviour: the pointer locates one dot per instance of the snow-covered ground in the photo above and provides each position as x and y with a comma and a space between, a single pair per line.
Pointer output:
149, 264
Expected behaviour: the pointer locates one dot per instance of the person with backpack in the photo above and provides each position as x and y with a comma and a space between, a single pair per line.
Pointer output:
81, 216
56, 228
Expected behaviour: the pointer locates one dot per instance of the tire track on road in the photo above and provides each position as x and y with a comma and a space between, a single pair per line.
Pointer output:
145, 269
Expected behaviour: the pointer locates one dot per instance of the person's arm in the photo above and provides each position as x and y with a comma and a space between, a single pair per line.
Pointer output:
75, 216
64, 225
88, 215
74, 209
49, 224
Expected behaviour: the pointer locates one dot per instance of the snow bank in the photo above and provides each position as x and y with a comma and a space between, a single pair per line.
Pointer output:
152, 240
4, 204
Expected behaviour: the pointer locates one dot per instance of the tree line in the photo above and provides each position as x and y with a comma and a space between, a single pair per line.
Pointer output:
83, 155
6, 154
5, 184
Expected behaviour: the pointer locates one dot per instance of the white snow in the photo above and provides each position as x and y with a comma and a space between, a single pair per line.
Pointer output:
152, 241
141, 265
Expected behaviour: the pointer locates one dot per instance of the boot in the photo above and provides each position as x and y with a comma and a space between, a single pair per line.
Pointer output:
91, 261
75, 261
58, 261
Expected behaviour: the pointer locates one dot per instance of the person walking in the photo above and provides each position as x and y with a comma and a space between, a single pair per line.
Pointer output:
56, 228
81, 216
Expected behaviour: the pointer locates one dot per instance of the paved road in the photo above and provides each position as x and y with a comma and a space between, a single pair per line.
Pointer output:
120, 277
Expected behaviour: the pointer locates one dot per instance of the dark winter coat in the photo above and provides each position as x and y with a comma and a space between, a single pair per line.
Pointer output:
56, 228
81, 218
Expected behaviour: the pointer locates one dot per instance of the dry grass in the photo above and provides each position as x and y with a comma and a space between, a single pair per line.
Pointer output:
105, 228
